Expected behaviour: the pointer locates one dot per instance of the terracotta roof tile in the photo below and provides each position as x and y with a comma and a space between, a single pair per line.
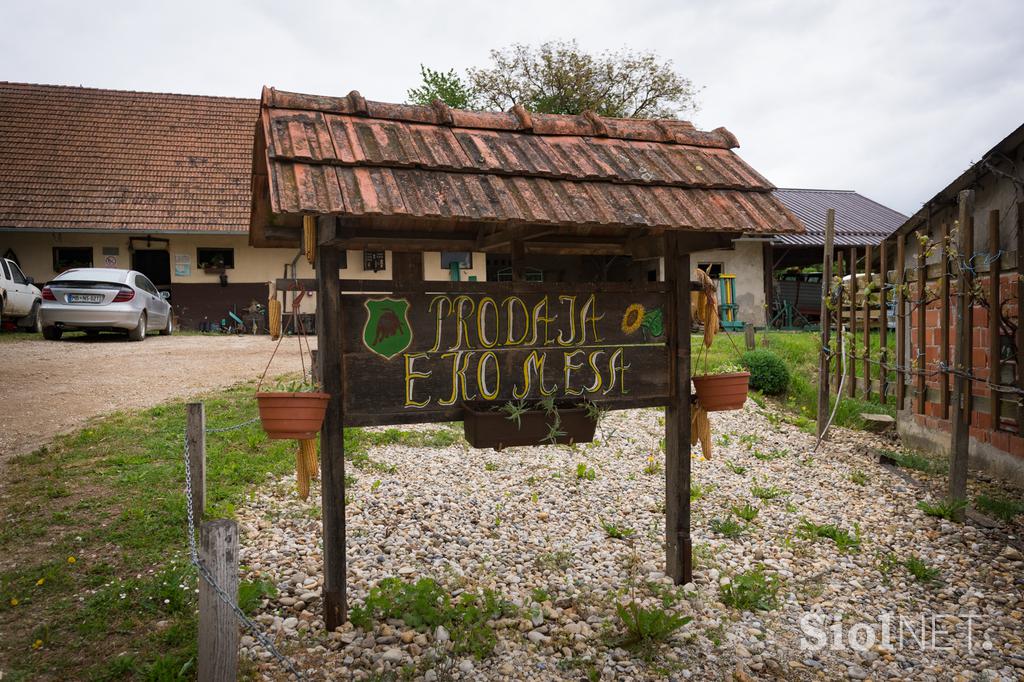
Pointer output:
82, 158
351, 156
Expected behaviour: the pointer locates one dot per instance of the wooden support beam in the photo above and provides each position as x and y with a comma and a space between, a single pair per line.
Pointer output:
883, 322
944, 318
678, 546
195, 440
994, 308
217, 657
518, 258
961, 426
867, 323
901, 322
826, 328
853, 324
330, 323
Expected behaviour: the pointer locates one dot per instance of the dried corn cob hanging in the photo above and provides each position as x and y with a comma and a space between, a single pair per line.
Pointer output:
309, 238
306, 466
700, 429
274, 318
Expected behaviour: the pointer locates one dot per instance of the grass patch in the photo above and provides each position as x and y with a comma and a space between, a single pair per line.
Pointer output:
753, 590
747, 512
921, 571
647, 629
999, 507
617, 532
766, 492
585, 473
425, 605
942, 509
917, 462
727, 527
859, 477
735, 468
844, 540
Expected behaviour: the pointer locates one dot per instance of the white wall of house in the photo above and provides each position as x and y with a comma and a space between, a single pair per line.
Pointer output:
746, 261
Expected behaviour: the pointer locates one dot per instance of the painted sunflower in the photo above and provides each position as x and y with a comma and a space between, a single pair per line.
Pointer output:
633, 318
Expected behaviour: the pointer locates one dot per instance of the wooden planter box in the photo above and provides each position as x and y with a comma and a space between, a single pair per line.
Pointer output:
486, 427
721, 392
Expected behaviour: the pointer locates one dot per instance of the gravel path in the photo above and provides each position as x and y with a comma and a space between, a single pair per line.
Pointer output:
525, 522
54, 387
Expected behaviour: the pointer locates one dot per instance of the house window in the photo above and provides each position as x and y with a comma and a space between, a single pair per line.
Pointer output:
464, 259
68, 257
713, 270
215, 258
374, 261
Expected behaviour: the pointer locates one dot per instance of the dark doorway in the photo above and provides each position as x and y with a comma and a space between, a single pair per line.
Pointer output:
154, 264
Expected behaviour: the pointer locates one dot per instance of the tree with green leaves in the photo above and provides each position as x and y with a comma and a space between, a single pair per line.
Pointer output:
445, 86
559, 78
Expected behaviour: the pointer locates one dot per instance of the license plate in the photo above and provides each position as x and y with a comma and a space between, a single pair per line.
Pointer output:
85, 298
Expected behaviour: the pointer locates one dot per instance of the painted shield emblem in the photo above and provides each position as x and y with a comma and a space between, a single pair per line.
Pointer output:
387, 332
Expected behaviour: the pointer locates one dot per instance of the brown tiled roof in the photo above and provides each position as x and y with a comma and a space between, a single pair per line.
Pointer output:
81, 158
354, 157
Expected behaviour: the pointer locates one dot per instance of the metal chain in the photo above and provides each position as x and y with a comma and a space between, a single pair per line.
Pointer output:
204, 573
236, 426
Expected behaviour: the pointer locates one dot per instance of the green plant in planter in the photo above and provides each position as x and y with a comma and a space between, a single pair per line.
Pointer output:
726, 368
302, 385
514, 411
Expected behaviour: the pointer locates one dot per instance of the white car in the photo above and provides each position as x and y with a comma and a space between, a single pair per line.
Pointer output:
19, 297
104, 299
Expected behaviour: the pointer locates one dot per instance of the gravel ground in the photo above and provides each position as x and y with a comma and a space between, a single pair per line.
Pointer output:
526, 522
54, 387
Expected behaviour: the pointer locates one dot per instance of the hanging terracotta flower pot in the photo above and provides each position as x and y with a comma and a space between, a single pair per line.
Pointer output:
287, 415
721, 392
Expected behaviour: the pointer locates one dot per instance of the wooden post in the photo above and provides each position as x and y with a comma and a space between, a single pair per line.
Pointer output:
195, 434
823, 354
838, 314
944, 320
867, 322
218, 627
961, 426
853, 323
883, 324
748, 336
1020, 316
901, 322
518, 256
922, 277
995, 373
329, 325
678, 546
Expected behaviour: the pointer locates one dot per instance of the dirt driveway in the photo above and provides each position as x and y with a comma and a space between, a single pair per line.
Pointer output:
52, 387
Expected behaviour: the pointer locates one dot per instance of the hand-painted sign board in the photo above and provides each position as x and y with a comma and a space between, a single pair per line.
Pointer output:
417, 357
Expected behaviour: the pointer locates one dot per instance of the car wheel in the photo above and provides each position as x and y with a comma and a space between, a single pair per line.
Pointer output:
52, 333
169, 327
33, 322
139, 333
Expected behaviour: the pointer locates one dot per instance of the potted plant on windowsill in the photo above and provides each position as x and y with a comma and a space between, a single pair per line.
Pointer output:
292, 409
723, 388
543, 422
214, 266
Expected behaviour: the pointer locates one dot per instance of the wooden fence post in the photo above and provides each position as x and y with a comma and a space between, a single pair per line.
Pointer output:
1020, 316
678, 545
853, 322
961, 427
748, 336
867, 322
823, 355
195, 435
218, 627
920, 355
883, 324
901, 322
944, 320
838, 313
995, 373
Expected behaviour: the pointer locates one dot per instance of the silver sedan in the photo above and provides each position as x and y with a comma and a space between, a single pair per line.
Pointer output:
104, 299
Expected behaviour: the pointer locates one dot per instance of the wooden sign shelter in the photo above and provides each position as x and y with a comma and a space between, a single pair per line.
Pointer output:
410, 179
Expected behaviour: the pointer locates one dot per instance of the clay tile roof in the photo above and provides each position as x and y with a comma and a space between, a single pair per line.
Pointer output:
82, 158
355, 157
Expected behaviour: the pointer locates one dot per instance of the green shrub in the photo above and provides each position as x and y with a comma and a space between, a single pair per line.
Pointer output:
768, 373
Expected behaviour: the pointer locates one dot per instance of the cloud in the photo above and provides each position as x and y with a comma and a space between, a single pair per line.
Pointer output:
893, 99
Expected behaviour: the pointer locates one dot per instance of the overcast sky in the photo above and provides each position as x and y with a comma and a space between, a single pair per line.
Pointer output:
891, 98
